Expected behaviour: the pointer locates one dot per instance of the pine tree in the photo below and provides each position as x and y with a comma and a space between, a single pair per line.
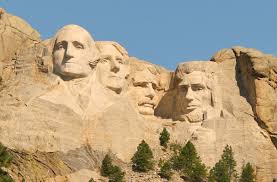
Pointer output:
228, 158
224, 169
117, 175
106, 167
189, 163
247, 174
114, 173
166, 170
143, 158
219, 173
164, 138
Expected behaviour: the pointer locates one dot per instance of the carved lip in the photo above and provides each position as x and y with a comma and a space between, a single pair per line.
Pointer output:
115, 76
193, 106
147, 104
70, 62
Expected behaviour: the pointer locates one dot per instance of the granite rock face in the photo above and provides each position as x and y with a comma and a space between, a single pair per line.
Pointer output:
67, 101
15, 34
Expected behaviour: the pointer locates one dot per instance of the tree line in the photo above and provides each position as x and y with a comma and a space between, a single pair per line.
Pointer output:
185, 161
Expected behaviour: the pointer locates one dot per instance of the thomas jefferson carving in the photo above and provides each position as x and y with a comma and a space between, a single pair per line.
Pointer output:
112, 69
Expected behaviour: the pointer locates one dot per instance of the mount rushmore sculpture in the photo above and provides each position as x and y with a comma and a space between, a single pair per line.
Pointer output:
71, 99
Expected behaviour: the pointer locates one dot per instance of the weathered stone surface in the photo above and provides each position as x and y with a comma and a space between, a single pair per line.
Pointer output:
67, 101
15, 34
259, 78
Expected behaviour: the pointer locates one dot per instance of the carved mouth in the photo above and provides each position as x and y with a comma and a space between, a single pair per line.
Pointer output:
192, 107
147, 104
115, 76
70, 62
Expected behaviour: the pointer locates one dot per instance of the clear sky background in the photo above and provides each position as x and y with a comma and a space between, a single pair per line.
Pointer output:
160, 31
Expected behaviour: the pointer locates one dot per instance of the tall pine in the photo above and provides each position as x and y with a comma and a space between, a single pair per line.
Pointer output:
189, 163
143, 158
224, 170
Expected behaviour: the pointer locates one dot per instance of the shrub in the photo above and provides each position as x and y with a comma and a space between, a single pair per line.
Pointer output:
143, 158
5, 161
166, 170
164, 138
175, 147
91, 180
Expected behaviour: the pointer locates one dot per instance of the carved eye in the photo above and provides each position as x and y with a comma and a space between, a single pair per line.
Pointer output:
140, 84
197, 88
105, 59
183, 88
60, 46
119, 60
78, 45
154, 86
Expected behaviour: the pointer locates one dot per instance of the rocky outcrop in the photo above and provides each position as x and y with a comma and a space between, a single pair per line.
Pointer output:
15, 35
256, 77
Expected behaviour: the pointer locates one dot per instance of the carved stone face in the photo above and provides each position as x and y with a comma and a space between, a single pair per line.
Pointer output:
72, 52
112, 69
193, 97
144, 92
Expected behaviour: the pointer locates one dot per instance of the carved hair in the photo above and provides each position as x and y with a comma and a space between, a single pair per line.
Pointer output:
100, 45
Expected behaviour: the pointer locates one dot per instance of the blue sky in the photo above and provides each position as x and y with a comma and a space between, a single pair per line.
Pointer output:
160, 31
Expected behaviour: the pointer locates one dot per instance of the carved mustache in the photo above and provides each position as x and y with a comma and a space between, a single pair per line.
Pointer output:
150, 102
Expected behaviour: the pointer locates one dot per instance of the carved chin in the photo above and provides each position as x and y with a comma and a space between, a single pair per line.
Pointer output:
146, 110
73, 72
192, 117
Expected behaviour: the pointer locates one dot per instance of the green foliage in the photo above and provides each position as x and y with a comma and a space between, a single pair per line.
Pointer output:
5, 161
164, 138
189, 163
219, 173
114, 173
143, 158
224, 169
247, 174
91, 180
166, 170
5, 157
117, 175
175, 147
106, 167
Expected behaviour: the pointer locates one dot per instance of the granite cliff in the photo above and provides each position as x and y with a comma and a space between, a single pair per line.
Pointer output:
67, 101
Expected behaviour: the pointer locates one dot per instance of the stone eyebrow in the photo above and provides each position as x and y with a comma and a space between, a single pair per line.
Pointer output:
197, 84
78, 43
106, 56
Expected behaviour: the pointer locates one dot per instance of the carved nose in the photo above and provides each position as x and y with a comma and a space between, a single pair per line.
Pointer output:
69, 53
189, 95
150, 91
114, 66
